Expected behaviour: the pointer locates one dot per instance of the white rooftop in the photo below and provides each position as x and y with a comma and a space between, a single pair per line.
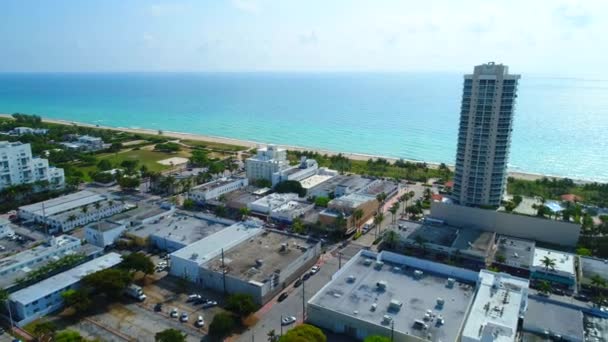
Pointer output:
496, 309
64, 279
275, 200
63, 203
564, 262
314, 180
23, 258
207, 248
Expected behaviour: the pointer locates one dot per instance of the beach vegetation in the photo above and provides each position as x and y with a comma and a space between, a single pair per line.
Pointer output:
553, 188
223, 324
168, 147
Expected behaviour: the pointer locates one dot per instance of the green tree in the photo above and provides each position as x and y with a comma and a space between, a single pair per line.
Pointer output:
138, 262
170, 335
220, 211
500, 258
112, 282
222, 325
548, 263
199, 158
583, 251
381, 197
544, 287
189, 204
272, 336
322, 201
68, 336
304, 333
104, 165
241, 304
130, 166
129, 183
79, 299
378, 218
290, 186
4, 299
376, 338
597, 281
115, 147
244, 212
45, 331
391, 238
393, 210
297, 226
357, 215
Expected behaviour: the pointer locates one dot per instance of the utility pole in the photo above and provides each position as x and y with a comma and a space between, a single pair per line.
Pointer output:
223, 272
303, 301
392, 330
340, 260
281, 325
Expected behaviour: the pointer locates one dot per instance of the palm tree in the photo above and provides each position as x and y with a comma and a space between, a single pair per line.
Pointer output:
378, 218
393, 210
404, 198
598, 282
428, 194
72, 218
4, 298
84, 209
548, 263
391, 238
97, 205
544, 287
272, 336
244, 213
357, 215
381, 197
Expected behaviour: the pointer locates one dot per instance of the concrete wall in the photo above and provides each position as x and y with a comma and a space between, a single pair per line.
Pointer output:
430, 266
103, 238
527, 227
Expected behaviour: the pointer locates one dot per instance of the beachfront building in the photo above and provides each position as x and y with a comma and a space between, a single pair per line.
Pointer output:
555, 267
265, 163
307, 168
18, 166
85, 143
70, 211
484, 137
44, 297
28, 130
214, 189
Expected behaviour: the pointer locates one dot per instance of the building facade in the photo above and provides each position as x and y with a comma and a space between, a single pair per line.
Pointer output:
18, 166
484, 136
267, 161
103, 233
306, 168
217, 188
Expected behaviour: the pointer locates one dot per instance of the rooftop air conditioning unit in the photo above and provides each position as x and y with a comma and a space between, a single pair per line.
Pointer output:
381, 284
351, 279
440, 302
367, 262
395, 304
379, 265
386, 319
418, 274
451, 282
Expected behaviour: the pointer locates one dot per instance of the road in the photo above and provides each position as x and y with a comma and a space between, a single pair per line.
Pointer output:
270, 315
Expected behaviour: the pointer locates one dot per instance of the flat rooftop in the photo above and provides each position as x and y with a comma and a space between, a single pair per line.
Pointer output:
203, 250
355, 182
497, 303
63, 203
564, 262
36, 252
139, 213
291, 206
593, 266
240, 198
104, 225
260, 256
355, 298
314, 180
214, 184
179, 228
61, 280
380, 186
596, 328
517, 252
351, 201
556, 319
275, 200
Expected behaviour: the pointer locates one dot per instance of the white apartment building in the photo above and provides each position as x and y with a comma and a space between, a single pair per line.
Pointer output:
484, 137
267, 161
267, 204
70, 211
18, 166
217, 188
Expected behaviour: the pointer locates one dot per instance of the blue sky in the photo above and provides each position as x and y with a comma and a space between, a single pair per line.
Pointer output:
552, 37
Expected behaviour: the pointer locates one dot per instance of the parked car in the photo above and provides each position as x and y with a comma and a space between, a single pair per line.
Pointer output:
306, 276
193, 297
158, 307
297, 283
288, 320
174, 313
581, 297
200, 301
200, 322
282, 296
315, 269
209, 304
183, 317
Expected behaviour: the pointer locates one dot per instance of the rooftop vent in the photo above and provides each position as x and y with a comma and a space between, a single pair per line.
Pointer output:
396, 269
450, 283
367, 262
440, 302
379, 265
381, 284
418, 274
386, 319
395, 305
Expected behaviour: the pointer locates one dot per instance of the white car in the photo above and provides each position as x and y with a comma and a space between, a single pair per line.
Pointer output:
209, 304
174, 313
200, 322
183, 317
288, 320
315, 269
193, 297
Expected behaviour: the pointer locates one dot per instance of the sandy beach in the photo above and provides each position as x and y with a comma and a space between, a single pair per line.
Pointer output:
255, 144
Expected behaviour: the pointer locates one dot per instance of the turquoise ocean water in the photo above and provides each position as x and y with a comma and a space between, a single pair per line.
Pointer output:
561, 124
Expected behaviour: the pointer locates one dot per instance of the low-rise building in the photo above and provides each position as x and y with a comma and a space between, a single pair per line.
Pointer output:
213, 190
306, 168
549, 320
103, 233
260, 266
28, 130
5, 228
514, 256
394, 295
85, 143
70, 211
291, 210
18, 166
143, 214
339, 185
553, 266
345, 206
54, 249
590, 269
45, 297
266, 204
500, 300
185, 262
472, 248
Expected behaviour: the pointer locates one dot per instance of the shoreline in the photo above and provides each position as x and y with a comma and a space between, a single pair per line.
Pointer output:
256, 144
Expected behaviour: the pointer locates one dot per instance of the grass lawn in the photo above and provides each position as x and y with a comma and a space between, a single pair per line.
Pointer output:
215, 146
145, 157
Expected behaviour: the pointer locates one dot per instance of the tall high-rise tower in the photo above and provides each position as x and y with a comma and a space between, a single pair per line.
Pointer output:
484, 136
